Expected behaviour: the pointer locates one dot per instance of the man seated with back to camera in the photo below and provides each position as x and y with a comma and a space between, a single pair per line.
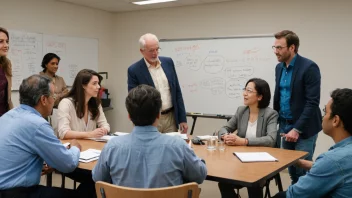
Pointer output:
145, 158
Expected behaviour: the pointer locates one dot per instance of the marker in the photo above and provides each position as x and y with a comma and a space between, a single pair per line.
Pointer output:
196, 113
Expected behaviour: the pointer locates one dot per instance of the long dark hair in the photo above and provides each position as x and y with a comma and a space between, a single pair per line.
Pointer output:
5, 63
77, 94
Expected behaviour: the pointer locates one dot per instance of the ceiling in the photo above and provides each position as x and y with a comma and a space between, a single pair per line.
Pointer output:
126, 5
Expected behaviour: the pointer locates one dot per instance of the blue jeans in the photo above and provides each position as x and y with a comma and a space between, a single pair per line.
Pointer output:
307, 145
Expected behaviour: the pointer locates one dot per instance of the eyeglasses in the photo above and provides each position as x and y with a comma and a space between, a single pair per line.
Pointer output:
54, 96
248, 90
278, 47
324, 110
153, 50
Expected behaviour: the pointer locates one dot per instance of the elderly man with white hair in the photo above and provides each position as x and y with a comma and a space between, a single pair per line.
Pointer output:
159, 72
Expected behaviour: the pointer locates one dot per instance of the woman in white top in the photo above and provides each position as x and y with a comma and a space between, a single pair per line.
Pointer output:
256, 124
80, 111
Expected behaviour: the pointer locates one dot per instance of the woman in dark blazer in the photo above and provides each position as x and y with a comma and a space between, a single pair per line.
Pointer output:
256, 125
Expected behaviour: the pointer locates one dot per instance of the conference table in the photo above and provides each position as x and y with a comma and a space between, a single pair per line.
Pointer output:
223, 166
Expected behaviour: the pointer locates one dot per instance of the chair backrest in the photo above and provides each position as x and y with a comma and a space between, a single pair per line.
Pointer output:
106, 190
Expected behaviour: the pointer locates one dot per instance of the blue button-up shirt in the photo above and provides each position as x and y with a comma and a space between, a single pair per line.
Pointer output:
330, 176
285, 89
26, 140
147, 159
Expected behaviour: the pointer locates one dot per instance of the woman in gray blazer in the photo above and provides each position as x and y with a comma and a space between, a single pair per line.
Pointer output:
256, 125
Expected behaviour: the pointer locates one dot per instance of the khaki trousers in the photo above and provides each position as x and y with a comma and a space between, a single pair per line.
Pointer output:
167, 123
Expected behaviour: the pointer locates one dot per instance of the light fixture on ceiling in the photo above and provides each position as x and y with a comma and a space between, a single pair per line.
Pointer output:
151, 2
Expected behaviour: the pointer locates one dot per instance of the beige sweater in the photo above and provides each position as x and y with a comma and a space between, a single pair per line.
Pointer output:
68, 120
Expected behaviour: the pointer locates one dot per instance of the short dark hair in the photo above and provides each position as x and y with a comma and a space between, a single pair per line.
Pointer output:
342, 106
32, 88
143, 104
291, 38
263, 89
47, 58
77, 93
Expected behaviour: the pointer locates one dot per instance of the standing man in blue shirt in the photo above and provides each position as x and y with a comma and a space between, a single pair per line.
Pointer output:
145, 158
296, 98
331, 174
27, 140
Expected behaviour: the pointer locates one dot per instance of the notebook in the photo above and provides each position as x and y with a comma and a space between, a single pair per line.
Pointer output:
89, 155
255, 157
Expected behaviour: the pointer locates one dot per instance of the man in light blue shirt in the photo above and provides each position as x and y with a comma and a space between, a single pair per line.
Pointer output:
27, 140
331, 174
146, 158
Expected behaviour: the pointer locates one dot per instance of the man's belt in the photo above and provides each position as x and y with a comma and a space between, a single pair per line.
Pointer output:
167, 111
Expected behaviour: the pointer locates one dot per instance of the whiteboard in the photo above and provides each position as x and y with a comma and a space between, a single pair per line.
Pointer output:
28, 49
25, 54
213, 71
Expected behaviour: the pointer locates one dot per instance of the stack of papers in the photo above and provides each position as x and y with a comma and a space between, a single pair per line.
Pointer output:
104, 138
255, 157
89, 155
178, 134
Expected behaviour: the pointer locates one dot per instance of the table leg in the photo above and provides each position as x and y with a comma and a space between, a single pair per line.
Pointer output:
255, 192
49, 179
279, 183
194, 124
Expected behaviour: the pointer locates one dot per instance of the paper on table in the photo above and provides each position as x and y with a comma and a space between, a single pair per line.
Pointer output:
206, 137
121, 133
255, 157
190, 144
104, 138
181, 135
89, 160
89, 155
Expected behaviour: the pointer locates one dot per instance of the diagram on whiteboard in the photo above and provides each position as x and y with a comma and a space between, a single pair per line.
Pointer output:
25, 54
28, 49
212, 73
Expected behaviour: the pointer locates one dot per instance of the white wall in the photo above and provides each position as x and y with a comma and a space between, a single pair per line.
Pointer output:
53, 17
324, 28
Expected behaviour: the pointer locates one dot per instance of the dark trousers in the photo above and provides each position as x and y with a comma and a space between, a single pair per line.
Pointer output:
228, 191
280, 195
38, 192
87, 186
